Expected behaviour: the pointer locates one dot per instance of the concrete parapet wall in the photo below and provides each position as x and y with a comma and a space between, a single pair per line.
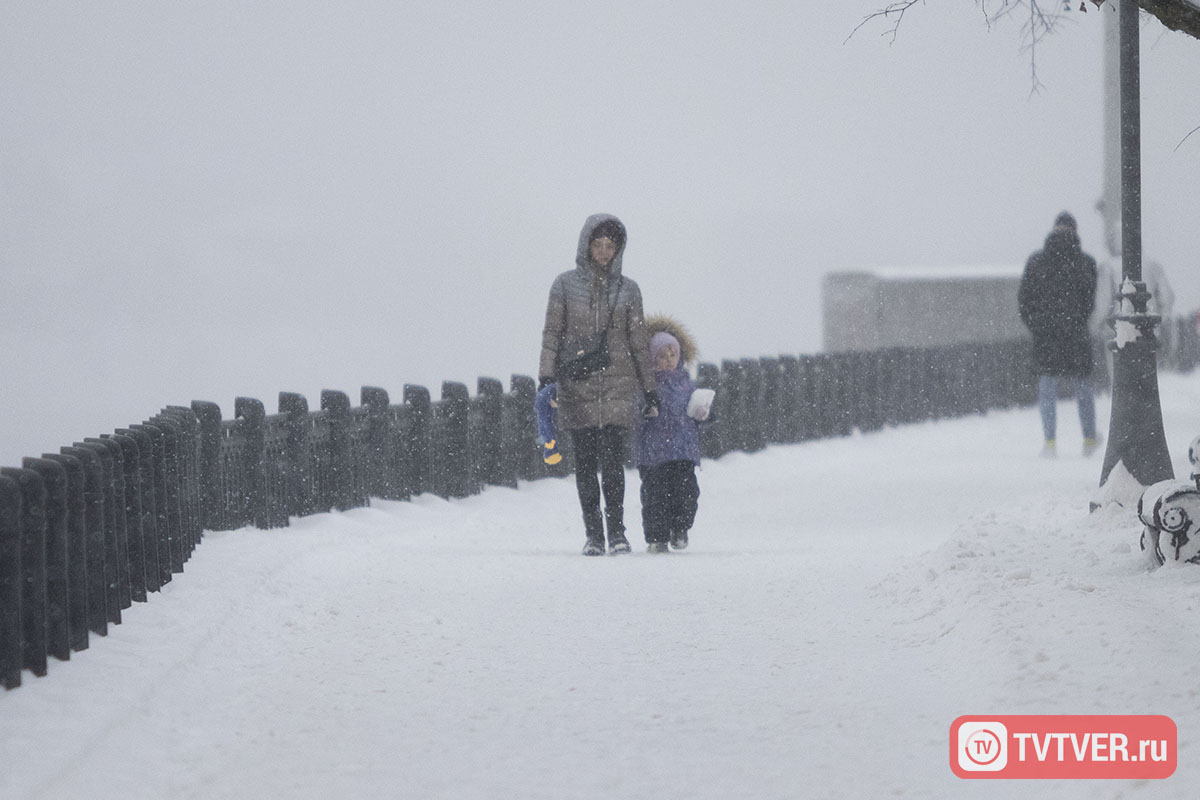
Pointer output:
920, 307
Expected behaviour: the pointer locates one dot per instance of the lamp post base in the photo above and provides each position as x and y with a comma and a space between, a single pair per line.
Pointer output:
1137, 445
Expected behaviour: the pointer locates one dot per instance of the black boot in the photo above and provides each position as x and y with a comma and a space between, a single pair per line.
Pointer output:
617, 543
594, 546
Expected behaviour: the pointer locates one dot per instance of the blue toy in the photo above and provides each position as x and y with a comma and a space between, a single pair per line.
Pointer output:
545, 404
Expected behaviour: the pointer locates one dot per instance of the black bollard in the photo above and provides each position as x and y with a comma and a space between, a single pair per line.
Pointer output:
92, 549
154, 466
452, 457
790, 400
106, 541
10, 583
755, 404
170, 478
113, 554
298, 486
189, 469
1026, 374
844, 412
273, 465
866, 383
708, 376
807, 422
923, 406
33, 568
77, 573
418, 408
900, 405
770, 418
132, 506
487, 439
337, 405
251, 428
522, 454
733, 410
148, 503
84, 467
54, 479
379, 445
114, 511
208, 419
832, 407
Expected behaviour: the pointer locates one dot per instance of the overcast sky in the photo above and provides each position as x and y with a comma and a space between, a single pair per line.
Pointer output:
199, 200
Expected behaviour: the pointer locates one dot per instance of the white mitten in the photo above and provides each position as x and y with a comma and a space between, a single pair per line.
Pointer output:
700, 404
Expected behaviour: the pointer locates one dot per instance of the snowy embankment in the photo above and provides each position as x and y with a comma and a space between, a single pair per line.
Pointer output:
842, 602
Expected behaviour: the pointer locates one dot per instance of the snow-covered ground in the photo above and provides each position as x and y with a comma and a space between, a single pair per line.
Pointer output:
843, 601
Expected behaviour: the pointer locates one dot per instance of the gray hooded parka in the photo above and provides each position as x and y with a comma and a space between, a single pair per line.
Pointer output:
579, 305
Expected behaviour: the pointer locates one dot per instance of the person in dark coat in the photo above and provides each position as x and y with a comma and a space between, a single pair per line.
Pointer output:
600, 408
1058, 290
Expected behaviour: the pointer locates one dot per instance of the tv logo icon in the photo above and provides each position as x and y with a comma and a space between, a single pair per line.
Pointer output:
982, 746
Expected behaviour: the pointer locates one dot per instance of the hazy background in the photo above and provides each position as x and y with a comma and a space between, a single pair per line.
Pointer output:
200, 200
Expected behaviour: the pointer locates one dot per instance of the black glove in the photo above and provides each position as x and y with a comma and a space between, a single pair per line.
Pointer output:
544, 381
650, 408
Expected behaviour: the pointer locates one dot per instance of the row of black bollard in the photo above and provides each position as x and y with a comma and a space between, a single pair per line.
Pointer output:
260, 470
87, 531
795, 399
107, 521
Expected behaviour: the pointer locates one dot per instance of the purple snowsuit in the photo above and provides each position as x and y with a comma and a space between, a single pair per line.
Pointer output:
668, 451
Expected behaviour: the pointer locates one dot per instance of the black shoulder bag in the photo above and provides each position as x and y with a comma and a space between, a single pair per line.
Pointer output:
587, 355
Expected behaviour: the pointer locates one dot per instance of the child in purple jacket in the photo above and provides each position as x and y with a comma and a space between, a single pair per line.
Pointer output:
668, 443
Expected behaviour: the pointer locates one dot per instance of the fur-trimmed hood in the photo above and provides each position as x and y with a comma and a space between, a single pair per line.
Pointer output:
688, 352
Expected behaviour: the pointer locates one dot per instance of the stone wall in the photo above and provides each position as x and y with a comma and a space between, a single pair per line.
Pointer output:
920, 307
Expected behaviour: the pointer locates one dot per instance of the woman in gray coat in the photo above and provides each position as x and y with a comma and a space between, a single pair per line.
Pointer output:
599, 409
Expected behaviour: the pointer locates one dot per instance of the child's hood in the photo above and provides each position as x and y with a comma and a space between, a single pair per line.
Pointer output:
688, 352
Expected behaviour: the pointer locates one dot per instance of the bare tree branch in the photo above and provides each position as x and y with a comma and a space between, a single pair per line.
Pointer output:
892, 10
1040, 24
1185, 138
1177, 15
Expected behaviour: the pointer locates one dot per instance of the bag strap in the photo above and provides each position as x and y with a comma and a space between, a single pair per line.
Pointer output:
612, 307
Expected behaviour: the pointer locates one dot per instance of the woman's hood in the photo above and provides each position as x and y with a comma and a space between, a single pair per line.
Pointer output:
585, 239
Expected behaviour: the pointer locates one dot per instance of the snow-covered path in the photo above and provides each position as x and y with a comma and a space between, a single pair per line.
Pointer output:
843, 601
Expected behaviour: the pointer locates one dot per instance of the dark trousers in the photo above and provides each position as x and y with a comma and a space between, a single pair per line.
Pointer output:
603, 450
669, 495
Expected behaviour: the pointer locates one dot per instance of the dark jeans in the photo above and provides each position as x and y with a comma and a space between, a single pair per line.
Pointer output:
669, 495
603, 450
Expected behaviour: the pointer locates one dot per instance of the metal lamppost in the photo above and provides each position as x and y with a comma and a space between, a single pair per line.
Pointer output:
1137, 454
